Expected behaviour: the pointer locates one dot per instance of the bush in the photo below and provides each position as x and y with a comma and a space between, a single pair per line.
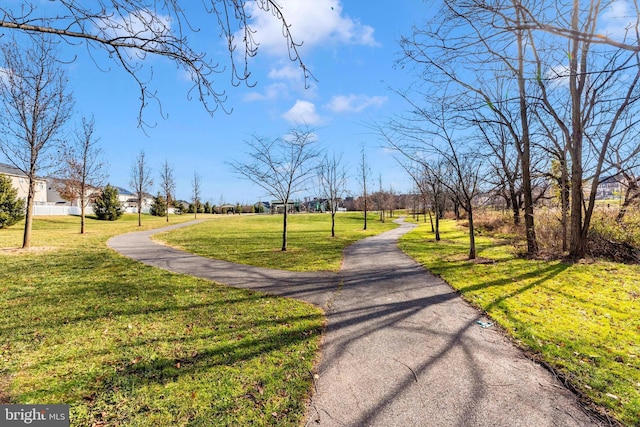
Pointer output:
159, 206
11, 207
617, 241
107, 206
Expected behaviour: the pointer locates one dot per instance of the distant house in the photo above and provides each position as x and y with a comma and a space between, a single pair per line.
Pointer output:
129, 201
20, 182
611, 187
227, 209
277, 206
262, 207
55, 193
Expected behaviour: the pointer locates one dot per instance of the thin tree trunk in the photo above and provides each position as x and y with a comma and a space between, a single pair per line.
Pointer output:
82, 196
630, 195
82, 215
333, 224
514, 206
564, 199
431, 220
284, 228
26, 240
472, 237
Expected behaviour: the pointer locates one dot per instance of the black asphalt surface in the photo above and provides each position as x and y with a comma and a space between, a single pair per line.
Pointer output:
401, 348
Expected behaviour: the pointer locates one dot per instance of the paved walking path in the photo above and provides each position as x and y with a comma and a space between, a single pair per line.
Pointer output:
401, 347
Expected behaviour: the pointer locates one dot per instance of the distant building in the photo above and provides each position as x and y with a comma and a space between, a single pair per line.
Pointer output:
262, 207
129, 201
20, 182
277, 206
610, 188
55, 193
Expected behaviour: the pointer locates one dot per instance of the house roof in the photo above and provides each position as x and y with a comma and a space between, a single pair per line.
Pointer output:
124, 192
6, 169
10, 170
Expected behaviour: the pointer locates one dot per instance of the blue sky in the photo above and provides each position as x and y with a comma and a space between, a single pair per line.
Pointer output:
350, 47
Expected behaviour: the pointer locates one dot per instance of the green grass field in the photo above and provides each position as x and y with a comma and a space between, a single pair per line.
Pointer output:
582, 319
258, 241
127, 344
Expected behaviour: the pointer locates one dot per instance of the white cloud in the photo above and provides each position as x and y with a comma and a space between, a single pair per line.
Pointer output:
302, 113
617, 19
288, 72
354, 103
272, 92
314, 23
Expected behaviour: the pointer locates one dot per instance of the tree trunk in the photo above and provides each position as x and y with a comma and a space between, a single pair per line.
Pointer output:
333, 224
564, 199
437, 228
82, 214
513, 201
284, 228
472, 237
576, 242
431, 220
26, 240
365, 210
630, 195
81, 196
525, 158
139, 213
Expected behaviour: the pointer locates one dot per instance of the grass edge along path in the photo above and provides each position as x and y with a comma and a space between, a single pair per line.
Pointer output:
128, 344
256, 240
581, 319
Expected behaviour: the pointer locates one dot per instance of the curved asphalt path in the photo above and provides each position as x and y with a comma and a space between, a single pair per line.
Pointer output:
401, 347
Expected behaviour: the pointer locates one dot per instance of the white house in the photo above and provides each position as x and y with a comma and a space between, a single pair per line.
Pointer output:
129, 201
20, 181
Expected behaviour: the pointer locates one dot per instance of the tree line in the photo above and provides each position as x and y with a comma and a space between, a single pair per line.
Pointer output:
511, 95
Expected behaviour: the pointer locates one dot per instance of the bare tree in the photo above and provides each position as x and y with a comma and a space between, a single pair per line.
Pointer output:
363, 177
83, 166
473, 48
281, 166
129, 31
141, 181
601, 116
381, 199
332, 175
196, 182
427, 177
558, 62
430, 134
37, 104
167, 184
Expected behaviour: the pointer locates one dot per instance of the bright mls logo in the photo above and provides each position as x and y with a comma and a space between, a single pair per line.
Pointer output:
34, 415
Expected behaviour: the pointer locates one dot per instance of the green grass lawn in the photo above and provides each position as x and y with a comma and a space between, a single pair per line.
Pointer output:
128, 344
257, 240
582, 319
